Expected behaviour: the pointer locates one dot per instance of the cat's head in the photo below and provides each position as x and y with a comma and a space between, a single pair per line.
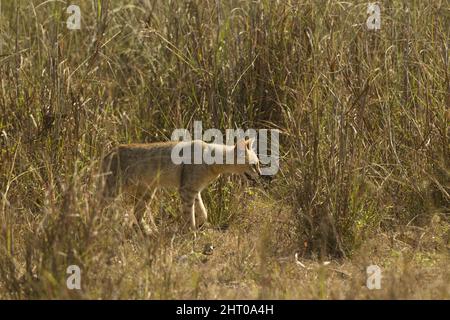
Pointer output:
245, 152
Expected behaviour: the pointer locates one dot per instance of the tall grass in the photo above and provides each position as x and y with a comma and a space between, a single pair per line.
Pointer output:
363, 117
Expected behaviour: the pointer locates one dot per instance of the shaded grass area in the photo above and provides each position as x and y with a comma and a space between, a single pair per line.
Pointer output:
363, 116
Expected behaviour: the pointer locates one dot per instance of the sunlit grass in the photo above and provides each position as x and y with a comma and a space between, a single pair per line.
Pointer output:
364, 171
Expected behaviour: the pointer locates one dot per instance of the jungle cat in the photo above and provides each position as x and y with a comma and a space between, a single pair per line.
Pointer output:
137, 170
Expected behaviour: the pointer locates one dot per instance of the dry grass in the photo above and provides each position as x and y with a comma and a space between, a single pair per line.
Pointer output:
364, 173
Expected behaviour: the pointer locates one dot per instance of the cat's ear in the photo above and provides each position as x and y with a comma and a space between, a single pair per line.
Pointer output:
246, 144
250, 142
241, 144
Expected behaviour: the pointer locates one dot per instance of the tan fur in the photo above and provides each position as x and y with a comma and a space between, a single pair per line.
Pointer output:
138, 169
